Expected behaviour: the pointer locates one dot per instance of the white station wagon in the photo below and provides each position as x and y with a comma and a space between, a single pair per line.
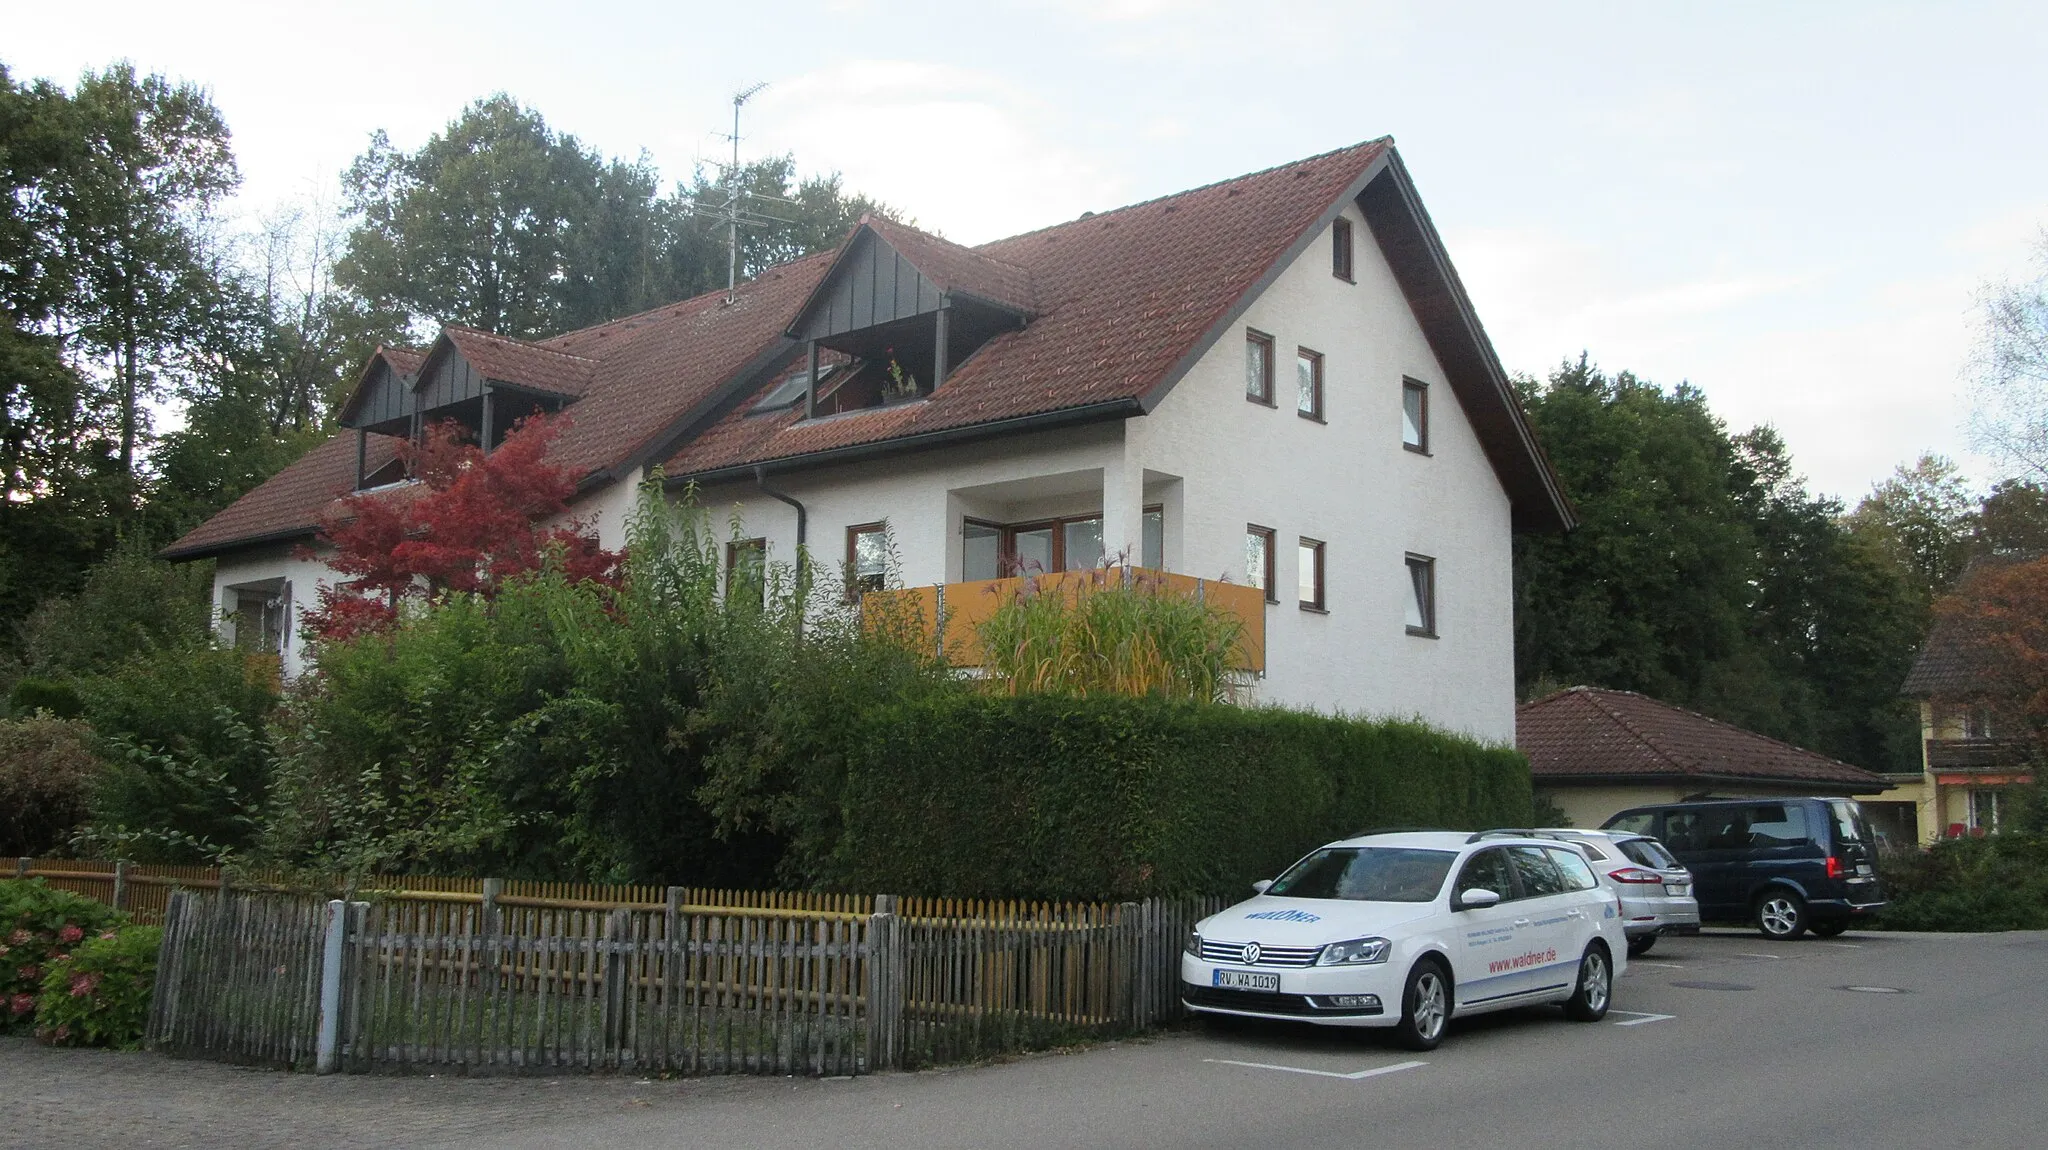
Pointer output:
1411, 930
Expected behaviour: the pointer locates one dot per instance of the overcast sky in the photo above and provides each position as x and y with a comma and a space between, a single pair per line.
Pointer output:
1793, 207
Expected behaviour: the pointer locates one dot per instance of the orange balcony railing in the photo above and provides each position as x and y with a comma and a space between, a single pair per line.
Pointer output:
964, 607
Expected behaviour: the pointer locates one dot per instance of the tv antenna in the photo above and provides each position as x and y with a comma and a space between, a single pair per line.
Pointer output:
732, 215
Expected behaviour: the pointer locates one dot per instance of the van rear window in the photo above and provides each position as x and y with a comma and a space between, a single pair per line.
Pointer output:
1848, 827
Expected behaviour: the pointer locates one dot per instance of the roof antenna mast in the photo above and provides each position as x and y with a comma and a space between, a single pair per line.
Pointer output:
732, 199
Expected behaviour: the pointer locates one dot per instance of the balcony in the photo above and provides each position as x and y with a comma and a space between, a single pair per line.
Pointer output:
965, 606
1982, 761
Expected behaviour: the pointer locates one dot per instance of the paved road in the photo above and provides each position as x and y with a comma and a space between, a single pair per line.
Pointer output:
1765, 1048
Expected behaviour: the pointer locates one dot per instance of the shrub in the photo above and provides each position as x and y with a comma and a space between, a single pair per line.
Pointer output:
183, 731
32, 695
98, 995
1999, 882
1096, 634
38, 926
1101, 798
47, 775
129, 603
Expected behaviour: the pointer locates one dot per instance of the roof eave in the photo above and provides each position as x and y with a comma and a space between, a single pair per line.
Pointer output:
177, 554
924, 441
1875, 784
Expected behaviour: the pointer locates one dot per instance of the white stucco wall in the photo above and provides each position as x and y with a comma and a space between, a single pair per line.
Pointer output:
1350, 483
304, 577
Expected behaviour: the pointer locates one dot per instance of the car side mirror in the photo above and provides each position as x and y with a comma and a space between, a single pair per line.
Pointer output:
1478, 898
1260, 886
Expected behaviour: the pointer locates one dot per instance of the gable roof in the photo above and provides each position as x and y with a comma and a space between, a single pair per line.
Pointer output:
531, 366
1123, 303
1585, 735
1951, 664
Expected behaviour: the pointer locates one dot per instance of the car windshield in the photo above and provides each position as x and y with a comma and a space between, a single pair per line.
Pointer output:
1367, 874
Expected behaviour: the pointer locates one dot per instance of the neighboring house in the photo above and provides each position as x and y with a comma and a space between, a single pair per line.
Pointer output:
1275, 380
1967, 762
1596, 753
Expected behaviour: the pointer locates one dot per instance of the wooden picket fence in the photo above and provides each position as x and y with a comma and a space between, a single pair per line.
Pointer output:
505, 976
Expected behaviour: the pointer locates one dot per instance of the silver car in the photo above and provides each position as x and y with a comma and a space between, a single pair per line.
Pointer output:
1655, 889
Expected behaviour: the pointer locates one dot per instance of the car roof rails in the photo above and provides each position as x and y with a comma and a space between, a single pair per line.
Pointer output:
1516, 833
1398, 830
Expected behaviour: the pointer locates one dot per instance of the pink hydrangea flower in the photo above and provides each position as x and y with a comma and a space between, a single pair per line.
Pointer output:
22, 1003
19, 937
71, 933
105, 935
84, 984
32, 972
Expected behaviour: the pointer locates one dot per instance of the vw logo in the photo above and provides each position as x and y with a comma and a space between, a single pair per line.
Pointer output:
1251, 954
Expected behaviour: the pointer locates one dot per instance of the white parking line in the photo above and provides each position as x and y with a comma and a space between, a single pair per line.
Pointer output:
1848, 945
1647, 962
1746, 954
1639, 1018
1355, 1076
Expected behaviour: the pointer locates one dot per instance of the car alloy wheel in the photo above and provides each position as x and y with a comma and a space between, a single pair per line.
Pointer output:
1595, 990
1425, 1007
1781, 915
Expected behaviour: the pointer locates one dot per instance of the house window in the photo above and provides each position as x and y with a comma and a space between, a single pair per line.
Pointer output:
1258, 560
1309, 557
746, 571
1340, 250
1258, 367
1984, 810
259, 621
1075, 543
867, 558
1421, 595
1308, 378
1976, 722
1415, 416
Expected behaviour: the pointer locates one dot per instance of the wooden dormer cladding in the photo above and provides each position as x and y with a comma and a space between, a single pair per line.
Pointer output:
905, 307
383, 400
447, 379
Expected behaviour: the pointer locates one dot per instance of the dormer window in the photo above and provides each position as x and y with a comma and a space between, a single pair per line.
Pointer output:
902, 308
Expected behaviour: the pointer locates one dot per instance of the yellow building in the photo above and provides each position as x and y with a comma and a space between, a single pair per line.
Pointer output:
1966, 763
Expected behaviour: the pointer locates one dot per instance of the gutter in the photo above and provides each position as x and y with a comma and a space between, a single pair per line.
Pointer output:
947, 437
802, 516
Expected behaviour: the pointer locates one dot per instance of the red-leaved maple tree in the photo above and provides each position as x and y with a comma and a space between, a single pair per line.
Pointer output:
469, 523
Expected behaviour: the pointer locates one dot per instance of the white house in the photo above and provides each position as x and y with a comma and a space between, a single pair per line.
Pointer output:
1275, 380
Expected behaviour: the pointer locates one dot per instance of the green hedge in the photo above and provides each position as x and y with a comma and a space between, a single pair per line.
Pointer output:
1113, 798
1999, 882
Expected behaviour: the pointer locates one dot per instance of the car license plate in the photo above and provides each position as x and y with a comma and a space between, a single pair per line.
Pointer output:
1246, 980
1864, 868
1674, 888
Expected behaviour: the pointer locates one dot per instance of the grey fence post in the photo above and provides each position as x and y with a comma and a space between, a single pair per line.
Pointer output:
618, 928
120, 884
491, 924
884, 985
327, 1054
21, 866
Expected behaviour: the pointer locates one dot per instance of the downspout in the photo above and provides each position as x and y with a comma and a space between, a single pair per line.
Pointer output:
802, 516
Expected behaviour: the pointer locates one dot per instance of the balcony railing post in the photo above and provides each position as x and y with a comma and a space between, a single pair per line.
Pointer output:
939, 623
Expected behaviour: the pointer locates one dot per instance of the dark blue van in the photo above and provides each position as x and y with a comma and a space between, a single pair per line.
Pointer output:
1789, 865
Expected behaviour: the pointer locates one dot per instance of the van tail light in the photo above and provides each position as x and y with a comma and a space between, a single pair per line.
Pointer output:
1835, 867
1635, 875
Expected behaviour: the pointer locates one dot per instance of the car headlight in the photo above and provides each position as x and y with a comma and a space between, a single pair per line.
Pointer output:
1194, 943
1357, 952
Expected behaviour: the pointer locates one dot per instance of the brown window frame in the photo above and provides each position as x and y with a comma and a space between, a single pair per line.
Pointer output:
1422, 424
1341, 250
1321, 603
853, 534
1006, 541
1272, 544
1410, 562
733, 550
1315, 359
1255, 337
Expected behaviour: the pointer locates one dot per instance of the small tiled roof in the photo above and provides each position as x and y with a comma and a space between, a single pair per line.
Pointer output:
955, 268
1586, 735
404, 360
289, 504
522, 364
1951, 663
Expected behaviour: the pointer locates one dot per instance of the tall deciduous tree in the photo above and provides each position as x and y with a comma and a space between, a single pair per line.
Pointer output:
2011, 369
1924, 513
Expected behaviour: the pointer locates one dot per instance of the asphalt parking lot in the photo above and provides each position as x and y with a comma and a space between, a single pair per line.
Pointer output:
1866, 1040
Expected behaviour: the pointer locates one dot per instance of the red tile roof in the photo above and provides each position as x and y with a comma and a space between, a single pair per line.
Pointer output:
1589, 736
1951, 665
289, 504
1121, 303
522, 364
1121, 298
